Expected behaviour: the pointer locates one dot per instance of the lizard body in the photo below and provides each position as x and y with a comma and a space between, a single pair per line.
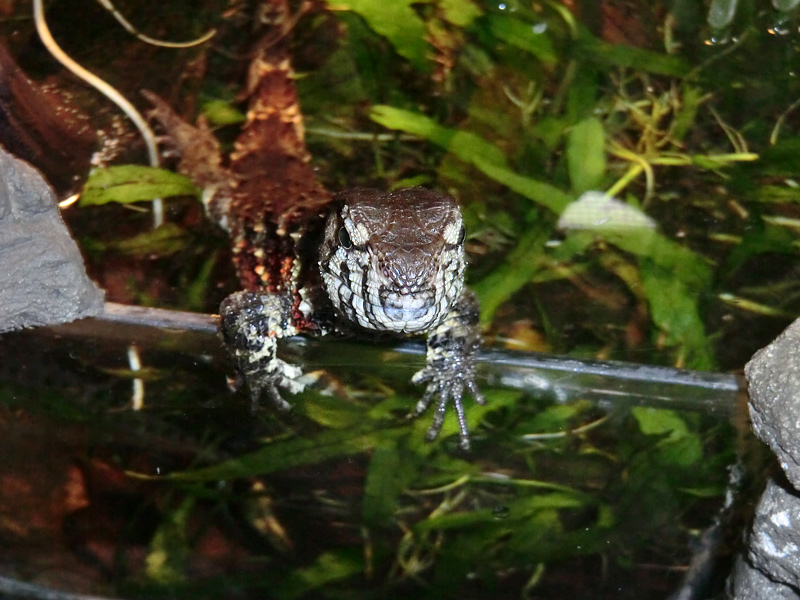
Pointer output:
313, 262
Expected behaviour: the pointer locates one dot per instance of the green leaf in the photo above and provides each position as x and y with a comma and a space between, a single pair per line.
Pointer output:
659, 421
330, 411
221, 112
674, 279
777, 194
463, 144
387, 476
674, 308
460, 13
295, 452
779, 160
520, 267
707, 491
525, 36
679, 262
785, 5
397, 22
714, 162
680, 446
557, 417
687, 113
520, 509
542, 193
473, 149
328, 567
164, 240
198, 289
684, 451
592, 49
769, 239
134, 183
582, 92
169, 549
586, 155
550, 130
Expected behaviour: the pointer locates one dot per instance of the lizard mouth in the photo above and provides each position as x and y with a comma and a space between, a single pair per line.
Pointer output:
403, 301
407, 313
382, 307
378, 308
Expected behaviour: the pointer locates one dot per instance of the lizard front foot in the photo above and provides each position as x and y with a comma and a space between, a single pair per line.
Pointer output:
450, 368
445, 386
251, 325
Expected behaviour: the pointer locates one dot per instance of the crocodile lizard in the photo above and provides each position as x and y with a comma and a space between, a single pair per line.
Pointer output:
312, 262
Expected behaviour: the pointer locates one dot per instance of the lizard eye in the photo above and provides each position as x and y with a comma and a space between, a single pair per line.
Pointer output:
344, 239
462, 235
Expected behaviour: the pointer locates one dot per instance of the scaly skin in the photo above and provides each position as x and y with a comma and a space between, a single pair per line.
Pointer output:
314, 263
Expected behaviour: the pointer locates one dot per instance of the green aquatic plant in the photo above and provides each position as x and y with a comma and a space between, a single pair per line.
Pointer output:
621, 204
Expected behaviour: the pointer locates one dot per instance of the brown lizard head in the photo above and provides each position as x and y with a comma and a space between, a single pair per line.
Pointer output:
394, 262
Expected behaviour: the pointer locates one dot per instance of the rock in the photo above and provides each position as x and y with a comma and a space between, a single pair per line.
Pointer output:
748, 583
770, 567
42, 276
774, 546
773, 375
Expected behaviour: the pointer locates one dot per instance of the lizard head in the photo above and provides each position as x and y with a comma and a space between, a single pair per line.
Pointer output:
394, 261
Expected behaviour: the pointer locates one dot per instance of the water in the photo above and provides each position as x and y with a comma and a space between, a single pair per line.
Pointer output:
577, 486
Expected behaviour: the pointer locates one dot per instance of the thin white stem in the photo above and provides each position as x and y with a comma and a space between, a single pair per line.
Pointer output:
146, 38
104, 88
135, 363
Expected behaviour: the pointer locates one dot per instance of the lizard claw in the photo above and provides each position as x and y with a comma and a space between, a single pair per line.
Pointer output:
446, 383
250, 326
450, 368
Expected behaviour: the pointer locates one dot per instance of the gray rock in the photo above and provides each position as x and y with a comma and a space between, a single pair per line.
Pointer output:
774, 544
748, 583
773, 375
42, 276
770, 567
